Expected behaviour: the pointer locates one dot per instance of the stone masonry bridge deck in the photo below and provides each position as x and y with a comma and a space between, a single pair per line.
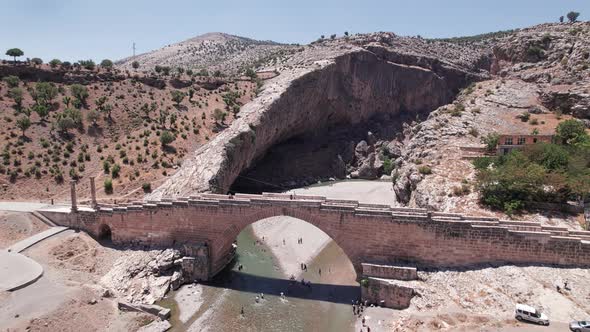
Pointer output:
206, 225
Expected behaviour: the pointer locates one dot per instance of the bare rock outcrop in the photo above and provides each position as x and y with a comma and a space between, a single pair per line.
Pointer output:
326, 86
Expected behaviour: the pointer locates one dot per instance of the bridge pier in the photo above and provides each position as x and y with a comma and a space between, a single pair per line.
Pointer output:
93, 193
73, 196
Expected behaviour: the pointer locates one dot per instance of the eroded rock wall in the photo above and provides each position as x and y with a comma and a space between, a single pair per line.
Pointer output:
346, 89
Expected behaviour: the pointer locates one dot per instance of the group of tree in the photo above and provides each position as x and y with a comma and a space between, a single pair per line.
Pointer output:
571, 16
55, 63
544, 172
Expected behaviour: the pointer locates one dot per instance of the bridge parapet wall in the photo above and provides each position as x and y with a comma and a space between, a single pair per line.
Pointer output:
368, 233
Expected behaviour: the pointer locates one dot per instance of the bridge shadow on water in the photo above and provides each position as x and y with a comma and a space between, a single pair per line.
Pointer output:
255, 284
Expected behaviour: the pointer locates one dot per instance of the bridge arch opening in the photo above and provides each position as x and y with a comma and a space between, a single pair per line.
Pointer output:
275, 254
104, 232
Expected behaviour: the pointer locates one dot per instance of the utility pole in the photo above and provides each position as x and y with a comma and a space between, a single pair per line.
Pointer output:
133, 48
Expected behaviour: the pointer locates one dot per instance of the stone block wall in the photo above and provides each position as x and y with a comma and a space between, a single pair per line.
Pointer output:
386, 293
366, 233
389, 272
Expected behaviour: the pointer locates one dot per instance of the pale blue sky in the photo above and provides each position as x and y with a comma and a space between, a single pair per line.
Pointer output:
82, 29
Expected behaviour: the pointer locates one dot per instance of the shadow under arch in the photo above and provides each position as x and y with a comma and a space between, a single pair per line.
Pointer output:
104, 233
249, 272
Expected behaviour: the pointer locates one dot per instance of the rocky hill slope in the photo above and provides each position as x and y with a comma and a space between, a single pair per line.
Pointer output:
211, 52
341, 83
542, 72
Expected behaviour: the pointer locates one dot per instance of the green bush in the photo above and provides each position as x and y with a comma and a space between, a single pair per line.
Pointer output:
425, 170
483, 162
108, 186
364, 282
490, 141
147, 187
387, 165
166, 138
12, 81
115, 170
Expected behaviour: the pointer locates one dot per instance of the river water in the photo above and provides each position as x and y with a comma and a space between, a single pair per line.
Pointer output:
325, 306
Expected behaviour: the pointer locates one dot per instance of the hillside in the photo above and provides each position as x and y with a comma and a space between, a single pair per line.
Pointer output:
210, 52
105, 123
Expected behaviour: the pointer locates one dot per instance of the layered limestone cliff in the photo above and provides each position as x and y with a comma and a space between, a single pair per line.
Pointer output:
336, 85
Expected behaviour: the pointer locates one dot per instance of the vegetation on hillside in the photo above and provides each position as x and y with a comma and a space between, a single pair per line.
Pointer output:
544, 172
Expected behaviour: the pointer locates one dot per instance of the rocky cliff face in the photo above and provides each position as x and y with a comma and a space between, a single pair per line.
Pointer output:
542, 71
336, 85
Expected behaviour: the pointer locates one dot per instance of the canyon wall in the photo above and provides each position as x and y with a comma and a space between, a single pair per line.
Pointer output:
344, 89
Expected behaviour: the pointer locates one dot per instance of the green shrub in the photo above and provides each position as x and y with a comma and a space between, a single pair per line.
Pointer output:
108, 186
425, 170
147, 187
115, 170
166, 138
491, 141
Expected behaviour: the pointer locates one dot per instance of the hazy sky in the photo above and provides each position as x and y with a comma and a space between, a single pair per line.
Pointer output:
83, 29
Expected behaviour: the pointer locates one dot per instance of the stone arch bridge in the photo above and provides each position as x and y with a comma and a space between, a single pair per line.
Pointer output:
205, 226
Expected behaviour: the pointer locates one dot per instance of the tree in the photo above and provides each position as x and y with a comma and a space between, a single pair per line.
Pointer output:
191, 93
166, 70
135, 65
87, 64
37, 61
189, 72
44, 93
106, 63
177, 96
219, 115
346, 33
217, 73
17, 95
108, 186
333, 36
66, 65
42, 110
571, 131
23, 123
166, 138
79, 92
64, 124
251, 73
54, 63
491, 141
67, 100
180, 70
93, 116
561, 19
15, 52
158, 69
573, 16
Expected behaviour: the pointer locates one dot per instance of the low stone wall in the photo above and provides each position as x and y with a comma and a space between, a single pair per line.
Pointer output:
386, 293
389, 272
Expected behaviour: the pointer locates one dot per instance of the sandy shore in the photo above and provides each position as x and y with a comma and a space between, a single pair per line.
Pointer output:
290, 254
189, 299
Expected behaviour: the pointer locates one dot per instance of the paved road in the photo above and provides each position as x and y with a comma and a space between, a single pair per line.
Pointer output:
17, 270
22, 206
24, 244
